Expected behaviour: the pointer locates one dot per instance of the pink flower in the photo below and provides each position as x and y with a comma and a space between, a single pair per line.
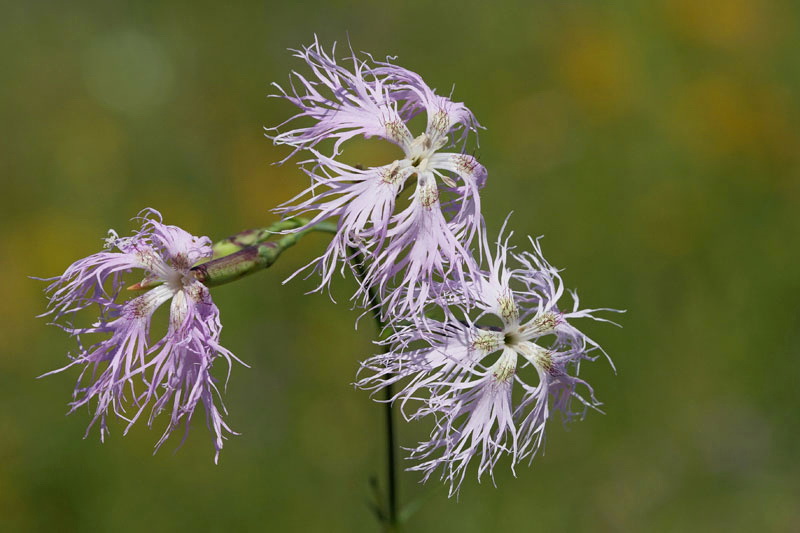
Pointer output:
410, 248
126, 372
463, 373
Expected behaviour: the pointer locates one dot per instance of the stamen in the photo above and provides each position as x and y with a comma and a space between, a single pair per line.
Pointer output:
506, 366
487, 341
440, 122
508, 308
397, 131
541, 325
465, 164
392, 175
544, 359
428, 195
537, 355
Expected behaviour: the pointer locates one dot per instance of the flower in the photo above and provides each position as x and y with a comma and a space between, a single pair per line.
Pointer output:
410, 247
125, 370
464, 372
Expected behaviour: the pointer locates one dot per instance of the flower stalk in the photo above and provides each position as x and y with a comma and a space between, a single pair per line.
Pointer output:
387, 516
252, 237
249, 251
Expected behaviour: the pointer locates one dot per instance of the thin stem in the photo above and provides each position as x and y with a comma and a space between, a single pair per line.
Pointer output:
250, 251
251, 237
390, 447
390, 515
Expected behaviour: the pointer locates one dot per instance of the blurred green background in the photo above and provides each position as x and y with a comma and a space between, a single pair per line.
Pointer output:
654, 144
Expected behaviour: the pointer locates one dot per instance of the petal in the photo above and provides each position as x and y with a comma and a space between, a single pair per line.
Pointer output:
444, 116
363, 201
343, 102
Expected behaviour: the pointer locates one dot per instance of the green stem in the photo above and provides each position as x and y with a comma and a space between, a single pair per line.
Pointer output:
251, 237
249, 251
390, 514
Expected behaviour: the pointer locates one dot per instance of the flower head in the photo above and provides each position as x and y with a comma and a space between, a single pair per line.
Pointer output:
463, 372
410, 247
125, 372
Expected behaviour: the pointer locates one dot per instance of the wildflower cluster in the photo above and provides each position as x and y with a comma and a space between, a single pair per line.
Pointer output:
410, 228
456, 369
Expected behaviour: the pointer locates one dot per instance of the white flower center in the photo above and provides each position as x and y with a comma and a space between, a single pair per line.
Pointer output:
422, 148
174, 280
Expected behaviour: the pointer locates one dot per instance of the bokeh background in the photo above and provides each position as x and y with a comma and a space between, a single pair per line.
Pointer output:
654, 144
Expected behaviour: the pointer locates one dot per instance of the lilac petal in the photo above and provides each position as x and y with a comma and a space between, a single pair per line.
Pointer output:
127, 371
